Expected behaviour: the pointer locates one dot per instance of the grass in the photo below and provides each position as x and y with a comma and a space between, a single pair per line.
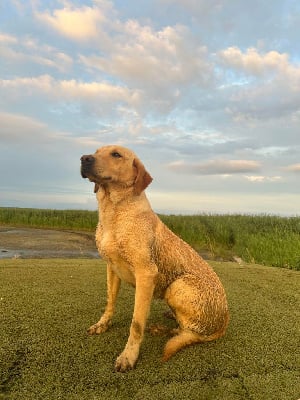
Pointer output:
47, 218
261, 239
267, 240
46, 306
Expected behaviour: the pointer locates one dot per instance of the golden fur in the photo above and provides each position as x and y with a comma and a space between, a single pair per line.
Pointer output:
142, 251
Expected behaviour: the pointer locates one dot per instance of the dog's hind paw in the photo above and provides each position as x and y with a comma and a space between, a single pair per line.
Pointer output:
169, 314
158, 330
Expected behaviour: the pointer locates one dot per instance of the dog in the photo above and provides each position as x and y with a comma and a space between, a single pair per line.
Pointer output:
142, 251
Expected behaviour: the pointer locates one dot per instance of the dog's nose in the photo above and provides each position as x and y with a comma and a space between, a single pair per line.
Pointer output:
87, 159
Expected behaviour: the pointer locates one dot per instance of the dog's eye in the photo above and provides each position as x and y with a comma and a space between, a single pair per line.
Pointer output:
116, 154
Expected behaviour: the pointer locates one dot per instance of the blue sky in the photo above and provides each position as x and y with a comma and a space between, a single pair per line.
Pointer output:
206, 93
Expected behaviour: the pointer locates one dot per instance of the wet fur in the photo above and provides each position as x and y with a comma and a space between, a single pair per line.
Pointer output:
142, 251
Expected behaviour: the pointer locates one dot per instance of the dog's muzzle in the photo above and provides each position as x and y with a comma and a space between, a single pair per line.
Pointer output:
87, 163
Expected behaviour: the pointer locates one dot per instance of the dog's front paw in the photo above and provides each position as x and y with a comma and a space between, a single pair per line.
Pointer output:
98, 328
125, 363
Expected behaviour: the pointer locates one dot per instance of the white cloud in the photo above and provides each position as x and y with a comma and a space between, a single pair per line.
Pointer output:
99, 94
162, 64
252, 62
215, 167
270, 87
80, 23
29, 51
261, 178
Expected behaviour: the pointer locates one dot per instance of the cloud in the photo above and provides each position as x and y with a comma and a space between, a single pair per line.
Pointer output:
293, 168
163, 64
29, 51
262, 86
174, 80
19, 130
253, 63
81, 23
98, 95
275, 68
187, 202
261, 178
37, 137
7, 39
38, 159
215, 167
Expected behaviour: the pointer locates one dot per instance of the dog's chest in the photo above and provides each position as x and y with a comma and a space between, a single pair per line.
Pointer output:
106, 244
109, 249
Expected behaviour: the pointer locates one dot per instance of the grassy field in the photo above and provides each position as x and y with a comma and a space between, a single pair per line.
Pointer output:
46, 306
267, 240
47, 218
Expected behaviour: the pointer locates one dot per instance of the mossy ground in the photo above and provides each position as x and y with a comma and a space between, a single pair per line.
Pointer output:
46, 306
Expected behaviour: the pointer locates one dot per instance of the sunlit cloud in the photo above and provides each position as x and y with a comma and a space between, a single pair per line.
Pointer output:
70, 90
254, 62
215, 167
293, 168
78, 23
261, 178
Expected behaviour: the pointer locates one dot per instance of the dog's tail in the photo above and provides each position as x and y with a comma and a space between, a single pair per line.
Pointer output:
188, 337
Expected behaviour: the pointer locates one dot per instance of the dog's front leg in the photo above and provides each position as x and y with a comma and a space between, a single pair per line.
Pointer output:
145, 283
113, 286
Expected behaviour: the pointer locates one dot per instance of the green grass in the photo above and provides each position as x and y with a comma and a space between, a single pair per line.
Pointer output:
261, 239
46, 306
47, 218
267, 240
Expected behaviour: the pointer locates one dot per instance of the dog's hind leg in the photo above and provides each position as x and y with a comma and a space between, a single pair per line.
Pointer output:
200, 310
185, 338
182, 339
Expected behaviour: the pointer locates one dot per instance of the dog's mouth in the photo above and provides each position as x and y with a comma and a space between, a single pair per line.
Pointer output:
83, 174
86, 173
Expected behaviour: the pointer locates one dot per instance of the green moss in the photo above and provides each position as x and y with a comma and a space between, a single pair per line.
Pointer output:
46, 306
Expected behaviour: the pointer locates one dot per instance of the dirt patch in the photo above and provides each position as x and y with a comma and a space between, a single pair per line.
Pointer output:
46, 243
50, 243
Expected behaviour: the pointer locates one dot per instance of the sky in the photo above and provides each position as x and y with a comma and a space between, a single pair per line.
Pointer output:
206, 93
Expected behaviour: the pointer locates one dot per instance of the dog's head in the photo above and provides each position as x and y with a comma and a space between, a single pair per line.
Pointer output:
115, 165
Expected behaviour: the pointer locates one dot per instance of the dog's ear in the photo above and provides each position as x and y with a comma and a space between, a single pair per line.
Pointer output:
96, 187
143, 178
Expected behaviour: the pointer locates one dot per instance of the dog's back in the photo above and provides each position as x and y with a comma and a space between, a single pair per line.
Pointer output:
174, 257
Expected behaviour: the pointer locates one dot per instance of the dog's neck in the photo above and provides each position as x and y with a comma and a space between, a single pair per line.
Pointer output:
113, 194
111, 198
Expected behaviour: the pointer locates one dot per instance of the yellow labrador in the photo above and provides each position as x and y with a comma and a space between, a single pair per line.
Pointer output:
142, 251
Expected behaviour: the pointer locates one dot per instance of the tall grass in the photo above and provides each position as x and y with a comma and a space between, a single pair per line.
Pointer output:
45, 218
262, 239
